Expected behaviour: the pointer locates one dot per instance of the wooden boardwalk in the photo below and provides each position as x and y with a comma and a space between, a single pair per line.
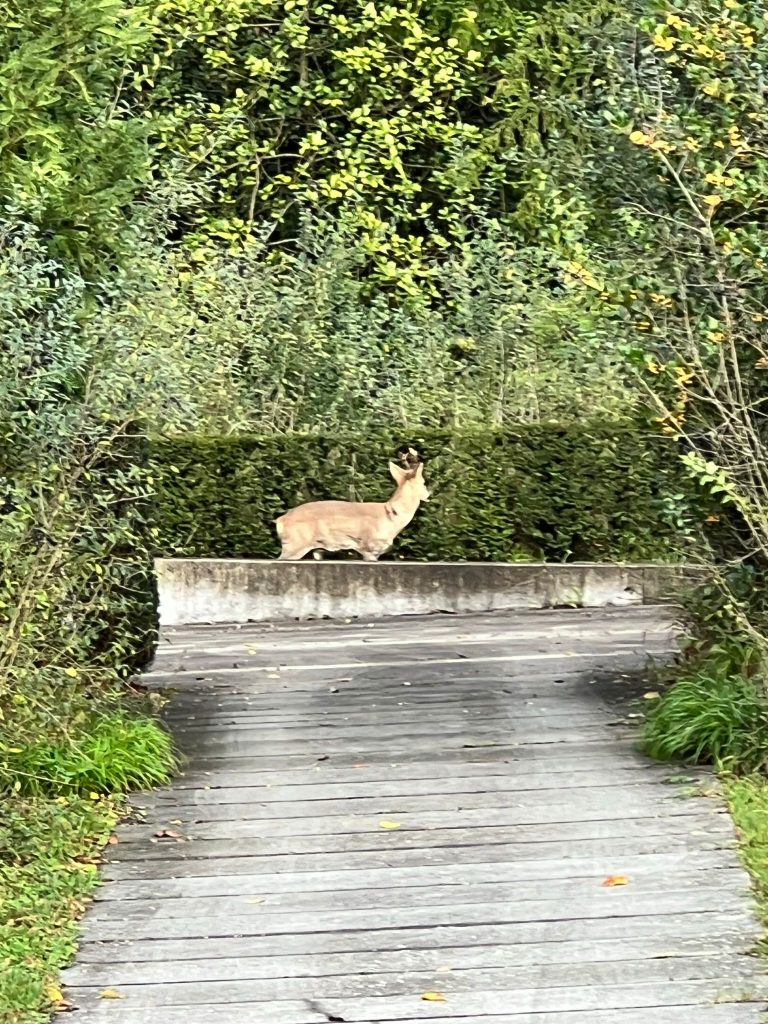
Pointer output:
414, 820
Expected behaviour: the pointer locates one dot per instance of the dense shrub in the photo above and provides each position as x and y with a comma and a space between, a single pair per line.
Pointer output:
534, 492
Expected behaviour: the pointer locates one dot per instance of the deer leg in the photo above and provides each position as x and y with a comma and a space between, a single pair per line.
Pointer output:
369, 556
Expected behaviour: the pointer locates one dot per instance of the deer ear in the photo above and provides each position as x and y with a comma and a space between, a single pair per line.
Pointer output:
398, 474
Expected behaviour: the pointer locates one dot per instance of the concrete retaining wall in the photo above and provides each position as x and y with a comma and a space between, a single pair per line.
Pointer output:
200, 590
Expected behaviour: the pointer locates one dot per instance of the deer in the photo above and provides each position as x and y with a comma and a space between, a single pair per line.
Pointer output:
367, 527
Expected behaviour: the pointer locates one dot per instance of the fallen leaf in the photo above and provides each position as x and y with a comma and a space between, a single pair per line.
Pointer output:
55, 994
651, 695
443, 970
434, 997
360, 766
167, 833
110, 993
615, 880
259, 899
389, 824
113, 840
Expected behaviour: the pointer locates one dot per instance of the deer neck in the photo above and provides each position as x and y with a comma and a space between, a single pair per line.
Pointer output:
402, 507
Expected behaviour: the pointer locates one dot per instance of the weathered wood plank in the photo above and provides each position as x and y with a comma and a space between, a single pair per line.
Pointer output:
508, 783
605, 750
635, 799
438, 960
160, 879
564, 813
729, 927
657, 904
172, 859
493, 1002
213, 897
548, 977
702, 1013
328, 782
708, 830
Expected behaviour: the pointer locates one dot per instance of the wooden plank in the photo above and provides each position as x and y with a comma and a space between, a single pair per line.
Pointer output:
339, 824
417, 646
446, 690
510, 782
395, 747
638, 798
737, 969
403, 999
539, 880
333, 782
177, 859
182, 878
462, 958
405, 717
233, 895
426, 672
708, 831
318, 731
685, 1013
533, 936
553, 625
656, 904
605, 749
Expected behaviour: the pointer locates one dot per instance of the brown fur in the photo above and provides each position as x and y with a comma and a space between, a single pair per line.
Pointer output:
367, 527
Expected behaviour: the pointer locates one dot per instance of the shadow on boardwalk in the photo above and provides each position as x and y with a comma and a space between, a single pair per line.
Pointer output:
375, 812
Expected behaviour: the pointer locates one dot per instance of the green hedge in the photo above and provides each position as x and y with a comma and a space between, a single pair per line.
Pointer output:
532, 492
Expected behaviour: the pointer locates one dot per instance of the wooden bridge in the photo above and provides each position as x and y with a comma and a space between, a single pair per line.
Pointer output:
440, 819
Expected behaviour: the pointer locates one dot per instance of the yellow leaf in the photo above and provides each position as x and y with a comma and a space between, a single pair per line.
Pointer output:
651, 695
639, 138
54, 993
109, 993
389, 824
434, 997
71, 672
615, 880
713, 200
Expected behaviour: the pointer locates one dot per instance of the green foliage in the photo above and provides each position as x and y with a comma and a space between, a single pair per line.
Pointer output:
710, 717
404, 121
748, 802
48, 855
107, 753
72, 159
587, 493
313, 344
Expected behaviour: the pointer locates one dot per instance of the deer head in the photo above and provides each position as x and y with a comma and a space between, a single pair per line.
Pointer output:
409, 478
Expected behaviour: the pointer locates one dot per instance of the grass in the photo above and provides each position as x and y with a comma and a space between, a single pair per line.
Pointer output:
49, 849
748, 801
57, 810
710, 717
109, 753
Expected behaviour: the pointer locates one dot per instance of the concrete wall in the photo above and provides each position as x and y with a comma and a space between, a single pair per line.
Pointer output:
199, 590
